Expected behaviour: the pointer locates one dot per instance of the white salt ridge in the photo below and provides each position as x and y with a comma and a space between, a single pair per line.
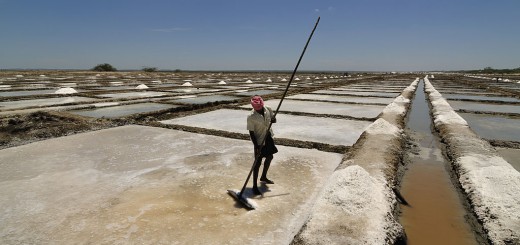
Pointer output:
489, 181
156, 81
381, 126
66, 91
344, 203
187, 84
141, 86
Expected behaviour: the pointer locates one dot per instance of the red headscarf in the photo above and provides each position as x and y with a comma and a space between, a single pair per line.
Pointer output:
257, 102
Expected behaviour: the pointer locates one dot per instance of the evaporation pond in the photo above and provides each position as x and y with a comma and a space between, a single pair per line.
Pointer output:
348, 99
479, 97
342, 92
43, 102
512, 156
494, 126
137, 184
206, 99
123, 110
484, 107
324, 108
133, 95
27, 93
316, 129
257, 92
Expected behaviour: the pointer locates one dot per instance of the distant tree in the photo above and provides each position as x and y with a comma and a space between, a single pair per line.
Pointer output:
177, 70
104, 67
150, 69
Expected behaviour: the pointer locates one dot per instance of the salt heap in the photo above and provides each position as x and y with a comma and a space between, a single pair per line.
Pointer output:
222, 83
249, 81
269, 80
284, 80
66, 91
156, 81
187, 84
297, 79
141, 86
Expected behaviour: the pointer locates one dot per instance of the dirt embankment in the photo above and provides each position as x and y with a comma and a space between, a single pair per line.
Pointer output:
23, 129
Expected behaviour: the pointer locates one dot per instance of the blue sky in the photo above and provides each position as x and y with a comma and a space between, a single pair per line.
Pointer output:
384, 35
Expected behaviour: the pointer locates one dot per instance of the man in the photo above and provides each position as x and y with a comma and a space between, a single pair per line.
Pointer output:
257, 123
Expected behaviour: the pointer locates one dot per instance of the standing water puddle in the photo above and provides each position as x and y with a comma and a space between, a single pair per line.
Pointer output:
436, 214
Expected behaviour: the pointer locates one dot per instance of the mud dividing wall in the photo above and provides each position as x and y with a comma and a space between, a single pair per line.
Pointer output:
491, 185
357, 203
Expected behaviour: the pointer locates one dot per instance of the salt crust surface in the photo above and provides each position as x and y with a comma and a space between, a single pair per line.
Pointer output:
381, 126
356, 206
345, 203
141, 86
66, 91
490, 182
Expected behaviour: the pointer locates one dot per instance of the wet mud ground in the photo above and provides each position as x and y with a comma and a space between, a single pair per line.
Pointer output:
23, 125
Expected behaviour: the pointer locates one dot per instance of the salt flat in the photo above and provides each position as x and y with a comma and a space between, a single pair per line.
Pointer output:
342, 98
316, 129
137, 184
324, 108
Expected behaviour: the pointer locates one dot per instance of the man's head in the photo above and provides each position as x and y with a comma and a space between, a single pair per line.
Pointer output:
257, 102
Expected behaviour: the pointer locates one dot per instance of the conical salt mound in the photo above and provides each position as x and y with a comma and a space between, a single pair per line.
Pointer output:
66, 91
187, 84
297, 79
284, 80
222, 83
249, 81
141, 86
269, 80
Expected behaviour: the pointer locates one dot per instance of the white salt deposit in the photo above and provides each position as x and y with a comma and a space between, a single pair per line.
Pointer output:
187, 84
42, 76
490, 182
269, 80
351, 195
284, 80
156, 81
66, 91
19, 76
141, 86
395, 108
381, 126
105, 104
249, 81
297, 79
221, 83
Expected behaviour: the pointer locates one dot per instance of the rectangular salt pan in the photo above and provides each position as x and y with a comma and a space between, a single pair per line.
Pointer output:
124, 110
336, 98
43, 102
316, 129
133, 95
315, 107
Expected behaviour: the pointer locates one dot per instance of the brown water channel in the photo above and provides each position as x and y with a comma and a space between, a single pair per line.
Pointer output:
436, 214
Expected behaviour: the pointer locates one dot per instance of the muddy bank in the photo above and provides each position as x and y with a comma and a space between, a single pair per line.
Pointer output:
357, 205
36, 126
491, 184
